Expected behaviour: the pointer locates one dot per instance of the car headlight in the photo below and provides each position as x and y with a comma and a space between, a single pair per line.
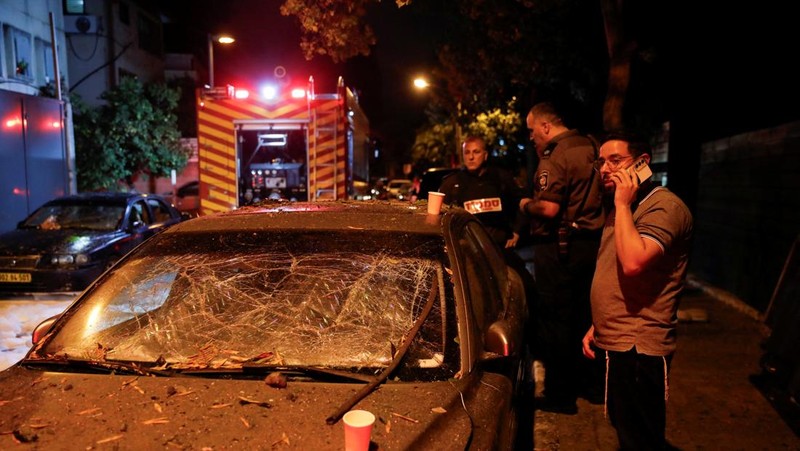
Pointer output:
69, 259
62, 259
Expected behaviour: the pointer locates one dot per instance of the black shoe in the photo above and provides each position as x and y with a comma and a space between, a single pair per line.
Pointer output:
562, 407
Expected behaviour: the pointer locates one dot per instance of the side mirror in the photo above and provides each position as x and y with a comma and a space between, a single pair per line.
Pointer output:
43, 329
499, 339
185, 216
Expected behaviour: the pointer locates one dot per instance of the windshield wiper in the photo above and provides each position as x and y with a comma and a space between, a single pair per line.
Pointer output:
315, 372
103, 366
396, 359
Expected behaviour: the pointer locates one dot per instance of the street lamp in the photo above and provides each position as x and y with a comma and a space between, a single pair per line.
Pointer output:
421, 84
222, 39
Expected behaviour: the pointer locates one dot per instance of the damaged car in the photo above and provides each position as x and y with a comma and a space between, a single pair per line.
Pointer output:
261, 327
68, 242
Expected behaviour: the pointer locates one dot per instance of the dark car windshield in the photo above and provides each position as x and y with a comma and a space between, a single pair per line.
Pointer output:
76, 216
341, 300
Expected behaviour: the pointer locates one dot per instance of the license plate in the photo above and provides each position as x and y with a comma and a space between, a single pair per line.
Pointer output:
275, 182
15, 277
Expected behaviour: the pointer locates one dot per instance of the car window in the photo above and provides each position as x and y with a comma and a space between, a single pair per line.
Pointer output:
313, 298
159, 210
89, 216
139, 213
485, 274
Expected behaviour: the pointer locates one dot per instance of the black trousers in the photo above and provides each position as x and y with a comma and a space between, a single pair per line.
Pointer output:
637, 404
561, 316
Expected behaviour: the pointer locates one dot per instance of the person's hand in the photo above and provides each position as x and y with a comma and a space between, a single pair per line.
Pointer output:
626, 187
588, 342
523, 202
512, 241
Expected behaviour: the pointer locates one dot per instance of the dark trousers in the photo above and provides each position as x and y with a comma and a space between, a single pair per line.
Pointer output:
637, 406
561, 316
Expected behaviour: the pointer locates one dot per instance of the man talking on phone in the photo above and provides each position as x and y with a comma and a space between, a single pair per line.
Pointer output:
641, 266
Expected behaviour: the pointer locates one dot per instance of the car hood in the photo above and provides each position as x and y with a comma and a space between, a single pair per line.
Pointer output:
86, 410
68, 241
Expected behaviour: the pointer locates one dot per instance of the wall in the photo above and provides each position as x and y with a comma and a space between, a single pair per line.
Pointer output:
125, 43
748, 211
32, 151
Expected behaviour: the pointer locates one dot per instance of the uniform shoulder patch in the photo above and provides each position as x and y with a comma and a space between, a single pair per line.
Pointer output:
542, 180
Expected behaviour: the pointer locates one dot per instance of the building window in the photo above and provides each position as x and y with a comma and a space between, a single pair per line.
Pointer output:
20, 55
44, 55
149, 34
74, 7
124, 13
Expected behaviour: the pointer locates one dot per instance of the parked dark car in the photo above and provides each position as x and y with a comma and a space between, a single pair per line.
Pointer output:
262, 326
431, 180
67, 242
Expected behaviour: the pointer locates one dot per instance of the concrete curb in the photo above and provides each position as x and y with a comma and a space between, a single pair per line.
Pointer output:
723, 296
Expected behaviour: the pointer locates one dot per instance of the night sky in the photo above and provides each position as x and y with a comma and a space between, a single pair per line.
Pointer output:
266, 40
732, 70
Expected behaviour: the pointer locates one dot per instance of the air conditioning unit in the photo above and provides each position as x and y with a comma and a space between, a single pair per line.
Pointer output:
81, 24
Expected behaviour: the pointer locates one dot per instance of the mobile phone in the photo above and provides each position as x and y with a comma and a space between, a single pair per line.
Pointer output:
641, 169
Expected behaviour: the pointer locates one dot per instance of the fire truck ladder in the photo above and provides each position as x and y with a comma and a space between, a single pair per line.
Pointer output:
323, 151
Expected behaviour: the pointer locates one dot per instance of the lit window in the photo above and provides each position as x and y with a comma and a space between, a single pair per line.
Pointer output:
74, 7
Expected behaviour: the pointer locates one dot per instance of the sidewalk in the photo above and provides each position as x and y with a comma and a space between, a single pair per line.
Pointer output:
712, 404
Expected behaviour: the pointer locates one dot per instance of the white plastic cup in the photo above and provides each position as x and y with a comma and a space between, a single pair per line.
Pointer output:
357, 430
435, 200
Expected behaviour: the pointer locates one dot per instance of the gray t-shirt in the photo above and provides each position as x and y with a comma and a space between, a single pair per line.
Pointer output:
641, 310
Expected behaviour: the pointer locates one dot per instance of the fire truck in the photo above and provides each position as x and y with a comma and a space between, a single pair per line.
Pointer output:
299, 146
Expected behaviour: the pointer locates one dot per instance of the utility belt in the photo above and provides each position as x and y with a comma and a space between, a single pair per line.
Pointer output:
564, 235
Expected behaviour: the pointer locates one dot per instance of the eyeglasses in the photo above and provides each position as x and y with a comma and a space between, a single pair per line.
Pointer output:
613, 162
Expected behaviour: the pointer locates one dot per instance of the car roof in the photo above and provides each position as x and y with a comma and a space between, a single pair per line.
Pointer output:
103, 197
324, 215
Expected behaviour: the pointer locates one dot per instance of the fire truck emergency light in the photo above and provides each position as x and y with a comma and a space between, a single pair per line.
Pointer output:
242, 94
269, 92
298, 93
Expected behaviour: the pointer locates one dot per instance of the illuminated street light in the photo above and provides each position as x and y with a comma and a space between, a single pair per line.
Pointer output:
421, 84
222, 39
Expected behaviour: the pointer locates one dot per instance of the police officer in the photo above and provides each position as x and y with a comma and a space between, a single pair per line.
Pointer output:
489, 193
566, 222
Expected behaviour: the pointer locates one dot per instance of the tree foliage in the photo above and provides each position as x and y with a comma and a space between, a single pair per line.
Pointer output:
435, 144
332, 27
500, 129
585, 55
134, 133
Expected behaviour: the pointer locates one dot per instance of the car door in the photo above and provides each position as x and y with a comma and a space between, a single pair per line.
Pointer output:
161, 214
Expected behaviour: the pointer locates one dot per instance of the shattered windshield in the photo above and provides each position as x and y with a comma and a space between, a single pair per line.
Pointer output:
214, 300
76, 216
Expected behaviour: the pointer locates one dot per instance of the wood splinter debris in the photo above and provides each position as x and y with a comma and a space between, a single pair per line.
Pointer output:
404, 417
284, 439
162, 420
109, 439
